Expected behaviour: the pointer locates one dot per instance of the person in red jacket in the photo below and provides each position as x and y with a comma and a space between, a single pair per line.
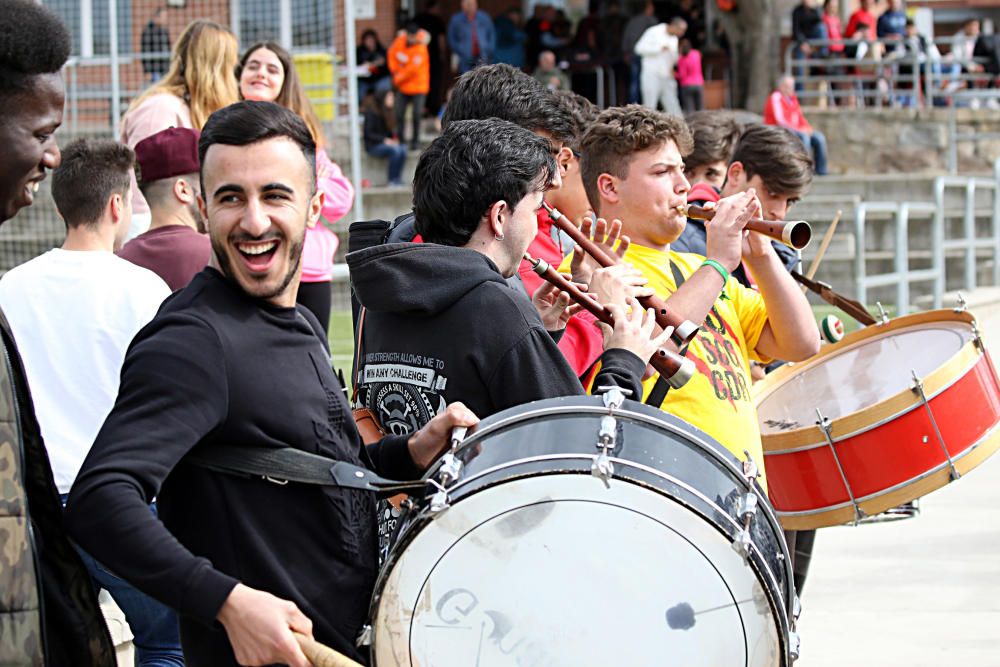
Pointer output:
410, 64
782, 108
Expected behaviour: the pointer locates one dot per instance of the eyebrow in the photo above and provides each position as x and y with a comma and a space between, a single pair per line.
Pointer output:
232, 187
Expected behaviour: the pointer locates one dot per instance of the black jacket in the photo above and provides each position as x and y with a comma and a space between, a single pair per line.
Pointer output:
216, 367
442, 325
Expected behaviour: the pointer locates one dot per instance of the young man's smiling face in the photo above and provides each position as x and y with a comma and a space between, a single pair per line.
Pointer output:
258, 200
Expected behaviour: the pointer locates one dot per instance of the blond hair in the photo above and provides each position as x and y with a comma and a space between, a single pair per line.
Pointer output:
293, 94
202, 71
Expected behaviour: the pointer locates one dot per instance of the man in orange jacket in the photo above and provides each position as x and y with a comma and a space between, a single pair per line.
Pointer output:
409, 62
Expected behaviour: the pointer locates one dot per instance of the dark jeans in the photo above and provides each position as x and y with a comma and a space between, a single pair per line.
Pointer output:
403, 101
635, 71
317, 297
156, 635
692, 98
397, 158
816, 143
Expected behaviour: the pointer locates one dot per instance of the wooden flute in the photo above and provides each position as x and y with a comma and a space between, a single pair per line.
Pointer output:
672, 367
793, 233
684, 330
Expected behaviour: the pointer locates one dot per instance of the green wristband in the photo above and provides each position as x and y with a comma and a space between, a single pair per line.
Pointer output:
722, 272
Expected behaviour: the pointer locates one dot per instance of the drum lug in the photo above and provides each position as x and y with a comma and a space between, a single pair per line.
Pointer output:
918, 388
364, 637
602, 467
977, 338
451, 468
824, 424
883, 317
613, 397
440, 500
794, 645
796, 608
746, 512
963, 305
750, 470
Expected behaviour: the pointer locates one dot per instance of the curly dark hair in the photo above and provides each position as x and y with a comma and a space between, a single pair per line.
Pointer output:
91, 171
501, 91
33, 41
621, 132
471, 166
715, 134
777, 156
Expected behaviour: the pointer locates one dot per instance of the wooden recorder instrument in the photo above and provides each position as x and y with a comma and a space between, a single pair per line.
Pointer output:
793, 233
672, 367
684, 330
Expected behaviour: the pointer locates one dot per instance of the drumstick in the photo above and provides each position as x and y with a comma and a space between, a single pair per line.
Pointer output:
321, 655
827, 238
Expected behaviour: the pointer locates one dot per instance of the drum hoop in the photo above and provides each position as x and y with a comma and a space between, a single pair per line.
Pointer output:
937, 381
775, 442
994, 430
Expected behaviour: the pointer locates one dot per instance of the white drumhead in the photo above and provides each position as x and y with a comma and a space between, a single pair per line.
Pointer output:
860, 375
558, 570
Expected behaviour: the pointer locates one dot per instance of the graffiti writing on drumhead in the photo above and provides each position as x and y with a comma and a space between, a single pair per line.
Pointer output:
782, 424
461, 609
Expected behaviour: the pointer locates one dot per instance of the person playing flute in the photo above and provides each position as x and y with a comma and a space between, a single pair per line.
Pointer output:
633, 171
441, 322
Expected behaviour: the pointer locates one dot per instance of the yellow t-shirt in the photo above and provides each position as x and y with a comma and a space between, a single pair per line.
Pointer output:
717, 398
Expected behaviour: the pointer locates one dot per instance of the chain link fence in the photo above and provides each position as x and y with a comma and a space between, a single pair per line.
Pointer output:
121, 47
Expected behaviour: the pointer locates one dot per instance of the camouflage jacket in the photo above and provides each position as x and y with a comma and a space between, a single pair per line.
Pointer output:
49, 613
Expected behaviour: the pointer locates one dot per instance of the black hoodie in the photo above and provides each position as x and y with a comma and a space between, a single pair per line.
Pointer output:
442, 325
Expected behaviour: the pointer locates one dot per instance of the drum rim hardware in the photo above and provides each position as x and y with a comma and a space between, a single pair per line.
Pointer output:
602, 467
826, 426
747, 508
918, 388
450, 470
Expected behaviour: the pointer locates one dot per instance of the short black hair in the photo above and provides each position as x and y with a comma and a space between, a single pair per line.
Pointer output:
91, 171
777, 156
504, 92
247, 122
471, 166
581, 112
33, 41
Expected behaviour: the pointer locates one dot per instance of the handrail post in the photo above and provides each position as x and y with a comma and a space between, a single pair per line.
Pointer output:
860, 269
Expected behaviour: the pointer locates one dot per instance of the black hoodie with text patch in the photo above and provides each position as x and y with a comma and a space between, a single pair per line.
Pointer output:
441, 325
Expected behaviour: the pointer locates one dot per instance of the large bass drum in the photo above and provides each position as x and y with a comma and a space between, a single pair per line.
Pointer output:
587, 531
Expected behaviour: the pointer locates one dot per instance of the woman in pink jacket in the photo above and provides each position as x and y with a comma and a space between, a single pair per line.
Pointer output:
267, 73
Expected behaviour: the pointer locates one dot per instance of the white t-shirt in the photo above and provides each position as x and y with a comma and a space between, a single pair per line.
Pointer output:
73, 314
659, 50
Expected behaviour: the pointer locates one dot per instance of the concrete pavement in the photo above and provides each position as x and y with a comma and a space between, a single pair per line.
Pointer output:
924, 592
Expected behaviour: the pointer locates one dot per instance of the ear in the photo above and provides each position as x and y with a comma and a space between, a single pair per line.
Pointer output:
563, 159
315, 208
736, 176
497, 216
117, 205
183, 191
607, 188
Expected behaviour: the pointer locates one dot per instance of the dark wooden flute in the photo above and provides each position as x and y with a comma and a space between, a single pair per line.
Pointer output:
684, 330
793, 233
672, 367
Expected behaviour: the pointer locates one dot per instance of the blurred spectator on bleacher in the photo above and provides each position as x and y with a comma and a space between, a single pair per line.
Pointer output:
155, 39
510, 38
612, 29
430, 20
834, 28
690, 77
807, 24
963, 46
694, 15
988, 47
380, 134
410, 65
549, 74
200, 81
782, 108
471, 36
892, 23
659, 48
371, 55
918, 52
634, 29
861, 16
538, 23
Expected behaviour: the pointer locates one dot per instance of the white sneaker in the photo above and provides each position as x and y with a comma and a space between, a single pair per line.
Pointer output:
993, 103
974, 103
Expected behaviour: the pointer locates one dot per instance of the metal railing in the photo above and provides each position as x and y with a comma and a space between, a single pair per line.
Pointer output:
967, 245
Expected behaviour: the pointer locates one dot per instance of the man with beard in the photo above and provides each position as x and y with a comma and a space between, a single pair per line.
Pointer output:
175, 247
58, 623
230, 360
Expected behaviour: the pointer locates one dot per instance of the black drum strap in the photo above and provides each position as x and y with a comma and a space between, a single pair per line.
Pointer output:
660, 389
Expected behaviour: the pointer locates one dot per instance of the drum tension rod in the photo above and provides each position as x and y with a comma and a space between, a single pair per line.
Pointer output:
918, 388
747, 508
963, 305
602, 467
883, 317
450, 471
827, 428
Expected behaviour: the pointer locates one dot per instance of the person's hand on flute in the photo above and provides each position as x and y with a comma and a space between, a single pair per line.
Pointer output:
608, 237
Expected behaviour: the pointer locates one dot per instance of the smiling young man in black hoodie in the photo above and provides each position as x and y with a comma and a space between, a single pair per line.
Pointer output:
441, 323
